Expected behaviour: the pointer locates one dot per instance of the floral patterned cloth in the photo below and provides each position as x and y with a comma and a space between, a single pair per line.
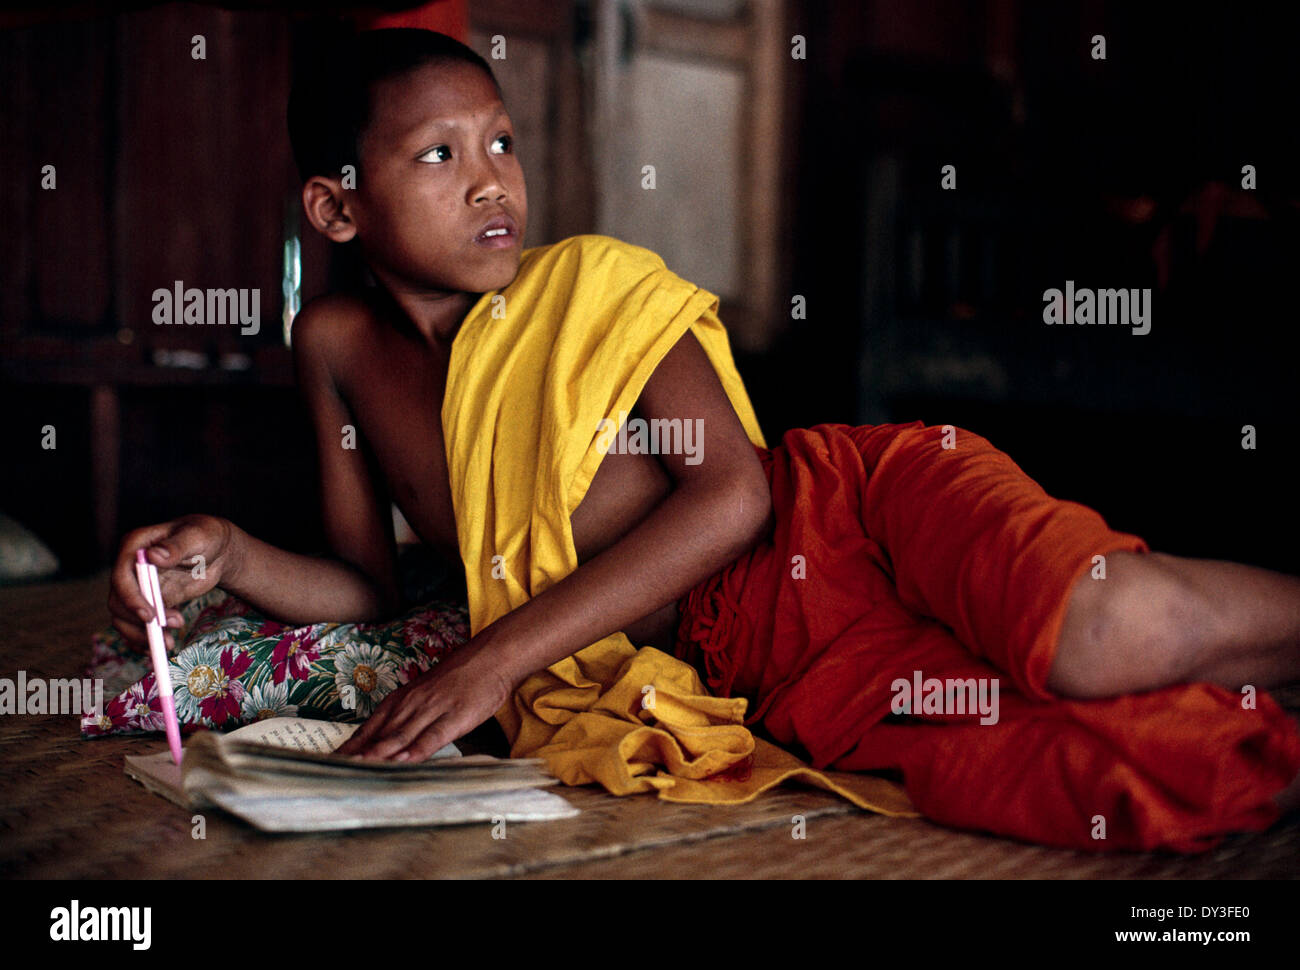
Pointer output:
235, 666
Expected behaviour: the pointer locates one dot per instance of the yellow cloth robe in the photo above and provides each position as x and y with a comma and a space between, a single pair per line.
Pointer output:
534, 368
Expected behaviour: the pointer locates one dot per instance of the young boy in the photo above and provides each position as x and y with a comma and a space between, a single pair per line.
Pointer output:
815, 579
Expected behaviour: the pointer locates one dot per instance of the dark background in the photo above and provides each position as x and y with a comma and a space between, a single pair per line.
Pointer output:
1095, 171
921, 303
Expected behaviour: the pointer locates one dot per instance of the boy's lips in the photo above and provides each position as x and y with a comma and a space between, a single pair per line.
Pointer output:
500, 233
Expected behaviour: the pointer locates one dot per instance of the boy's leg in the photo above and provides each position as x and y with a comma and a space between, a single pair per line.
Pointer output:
822, 636
977, 544
1160, 619
1212, 622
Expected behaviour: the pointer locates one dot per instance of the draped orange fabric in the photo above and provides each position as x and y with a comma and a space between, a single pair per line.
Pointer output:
450, 17
536, 369
895, 558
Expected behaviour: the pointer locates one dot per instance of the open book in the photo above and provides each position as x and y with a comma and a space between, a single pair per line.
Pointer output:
281, 775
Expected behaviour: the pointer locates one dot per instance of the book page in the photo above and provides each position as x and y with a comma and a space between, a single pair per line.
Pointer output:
159, 774
316, 814
296, 733
306, 734
203, 777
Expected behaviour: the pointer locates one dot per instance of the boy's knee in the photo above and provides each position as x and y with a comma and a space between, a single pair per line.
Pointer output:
1134, 630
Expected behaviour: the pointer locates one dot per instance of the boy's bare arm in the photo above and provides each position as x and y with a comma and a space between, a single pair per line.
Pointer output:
360, 581
358, 584
194, 553
301, 589
718, 509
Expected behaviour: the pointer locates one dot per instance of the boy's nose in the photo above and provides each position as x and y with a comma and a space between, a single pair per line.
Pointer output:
488, 186
494, 192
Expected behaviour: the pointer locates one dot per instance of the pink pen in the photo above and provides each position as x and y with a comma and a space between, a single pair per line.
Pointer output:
147, 574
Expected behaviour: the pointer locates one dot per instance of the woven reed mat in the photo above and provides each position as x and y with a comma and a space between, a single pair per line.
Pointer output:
68, 810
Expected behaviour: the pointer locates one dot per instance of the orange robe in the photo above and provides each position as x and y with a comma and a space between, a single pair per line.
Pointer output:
536, 370
893, 559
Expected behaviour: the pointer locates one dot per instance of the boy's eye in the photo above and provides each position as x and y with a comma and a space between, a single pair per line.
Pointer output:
438, 153
506, 141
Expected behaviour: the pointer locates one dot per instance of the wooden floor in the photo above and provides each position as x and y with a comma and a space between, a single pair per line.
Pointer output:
68, 810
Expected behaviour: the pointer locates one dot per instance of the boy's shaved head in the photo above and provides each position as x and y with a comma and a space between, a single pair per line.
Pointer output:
334, 78
439, 205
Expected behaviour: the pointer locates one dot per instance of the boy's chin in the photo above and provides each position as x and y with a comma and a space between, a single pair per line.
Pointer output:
496, 279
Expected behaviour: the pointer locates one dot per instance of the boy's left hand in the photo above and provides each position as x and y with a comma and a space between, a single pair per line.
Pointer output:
426, 714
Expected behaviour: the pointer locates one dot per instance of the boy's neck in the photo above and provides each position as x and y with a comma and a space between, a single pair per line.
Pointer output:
436, 316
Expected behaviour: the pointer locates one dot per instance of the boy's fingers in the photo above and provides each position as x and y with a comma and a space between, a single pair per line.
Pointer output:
433, 738
399, 721
144, 537
119, 609
129, 631
176, 586
179, 547
133, 635
350, 745
378, 724
127, 590
399, 738
364, 733
125, 582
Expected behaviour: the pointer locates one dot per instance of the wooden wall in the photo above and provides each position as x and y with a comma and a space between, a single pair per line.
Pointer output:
169, 167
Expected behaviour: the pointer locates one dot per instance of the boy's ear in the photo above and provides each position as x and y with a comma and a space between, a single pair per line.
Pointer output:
322, 199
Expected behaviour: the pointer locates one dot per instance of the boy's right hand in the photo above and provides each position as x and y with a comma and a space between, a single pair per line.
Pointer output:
175, 547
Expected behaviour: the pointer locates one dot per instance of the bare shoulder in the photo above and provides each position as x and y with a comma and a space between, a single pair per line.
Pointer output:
331, 321
327, 333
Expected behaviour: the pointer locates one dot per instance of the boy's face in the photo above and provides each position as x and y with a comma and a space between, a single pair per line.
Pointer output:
437, 166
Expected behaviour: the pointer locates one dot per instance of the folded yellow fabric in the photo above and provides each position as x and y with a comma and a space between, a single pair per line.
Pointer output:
534, 369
